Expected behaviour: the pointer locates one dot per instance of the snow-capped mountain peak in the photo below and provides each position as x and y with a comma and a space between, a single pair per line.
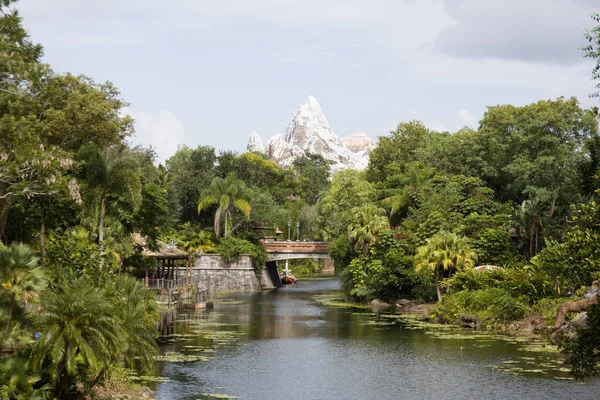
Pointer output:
309, 131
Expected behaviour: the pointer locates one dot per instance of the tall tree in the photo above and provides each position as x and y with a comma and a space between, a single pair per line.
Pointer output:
110, 176
593, 50
367, 222
80, 327
229, 194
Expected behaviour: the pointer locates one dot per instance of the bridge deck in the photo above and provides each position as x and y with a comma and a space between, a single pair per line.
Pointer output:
282, 250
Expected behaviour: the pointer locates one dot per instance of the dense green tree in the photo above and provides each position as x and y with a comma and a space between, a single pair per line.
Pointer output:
80, 332
348, 189
189, 171
21, 280
312, 174
366, 223
593, 49
444, 252
584, 352
112, 177
396, 150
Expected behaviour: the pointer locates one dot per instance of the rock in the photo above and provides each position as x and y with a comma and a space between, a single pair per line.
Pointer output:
422, 309
309, 131
568, 331
469, 321
379, 305
403, 304
358, 142
532, 324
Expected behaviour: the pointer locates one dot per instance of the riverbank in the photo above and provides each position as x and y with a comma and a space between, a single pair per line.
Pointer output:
535, 327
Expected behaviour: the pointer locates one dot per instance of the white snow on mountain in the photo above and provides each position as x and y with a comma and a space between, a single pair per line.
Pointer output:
309, 131
255, 143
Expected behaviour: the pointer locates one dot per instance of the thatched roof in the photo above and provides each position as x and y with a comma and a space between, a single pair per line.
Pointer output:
164, 250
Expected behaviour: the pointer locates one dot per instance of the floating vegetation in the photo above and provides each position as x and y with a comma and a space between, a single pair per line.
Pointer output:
539, 348
180, 358
220, 396
336, 300
145, 378
231, 302
379, 322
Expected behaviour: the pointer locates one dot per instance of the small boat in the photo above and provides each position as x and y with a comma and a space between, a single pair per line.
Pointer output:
288, 279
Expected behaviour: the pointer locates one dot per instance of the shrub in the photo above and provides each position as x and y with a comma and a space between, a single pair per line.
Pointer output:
491, 307
231, 248
518, 282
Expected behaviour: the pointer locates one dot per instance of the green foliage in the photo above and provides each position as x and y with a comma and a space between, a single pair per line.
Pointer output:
491, 307
396, 150
584, 352
72, 253
191, 238
348, 190
188, 172
444, 252
593, 49
365, 224
305, 267
229, 194
531, 284
231, 248
341, 252
312, 172
21, 281
89, 329
575, 261
385, 272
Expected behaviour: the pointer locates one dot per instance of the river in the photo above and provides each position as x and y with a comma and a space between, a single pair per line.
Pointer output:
285, 345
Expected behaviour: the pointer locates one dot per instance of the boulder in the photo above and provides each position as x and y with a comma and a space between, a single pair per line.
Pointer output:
469, 321
403, 304
379, 305
568, 331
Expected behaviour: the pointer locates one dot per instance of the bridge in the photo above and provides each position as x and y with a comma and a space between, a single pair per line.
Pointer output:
278, 250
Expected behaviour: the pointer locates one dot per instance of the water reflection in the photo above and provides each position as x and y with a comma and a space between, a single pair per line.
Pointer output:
282, 344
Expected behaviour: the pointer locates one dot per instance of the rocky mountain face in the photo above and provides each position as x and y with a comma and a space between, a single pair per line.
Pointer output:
309, 131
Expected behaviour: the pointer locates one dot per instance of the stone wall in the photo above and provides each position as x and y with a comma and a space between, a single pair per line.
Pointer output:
212, 273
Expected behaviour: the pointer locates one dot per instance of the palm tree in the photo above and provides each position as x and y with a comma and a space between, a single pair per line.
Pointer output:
398, 196
230, 194
111, 174
444, 251
20, 276
367, 222
136, 309
80, 329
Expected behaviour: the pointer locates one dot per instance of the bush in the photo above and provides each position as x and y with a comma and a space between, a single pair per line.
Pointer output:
231, 248
491, 307
518, 282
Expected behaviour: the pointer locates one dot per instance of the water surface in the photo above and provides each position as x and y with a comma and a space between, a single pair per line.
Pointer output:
284, 345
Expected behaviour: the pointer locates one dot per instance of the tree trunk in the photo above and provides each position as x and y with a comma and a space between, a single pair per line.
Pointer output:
572, 306
43, 234
101, 224
226, 223
59, 371
11, 306
101, 230
437, 285
4, 207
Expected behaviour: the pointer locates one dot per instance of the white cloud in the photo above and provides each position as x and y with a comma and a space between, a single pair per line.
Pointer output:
467, 118
163, 132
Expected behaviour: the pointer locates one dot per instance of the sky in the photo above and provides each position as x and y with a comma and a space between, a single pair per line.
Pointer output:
208, 72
